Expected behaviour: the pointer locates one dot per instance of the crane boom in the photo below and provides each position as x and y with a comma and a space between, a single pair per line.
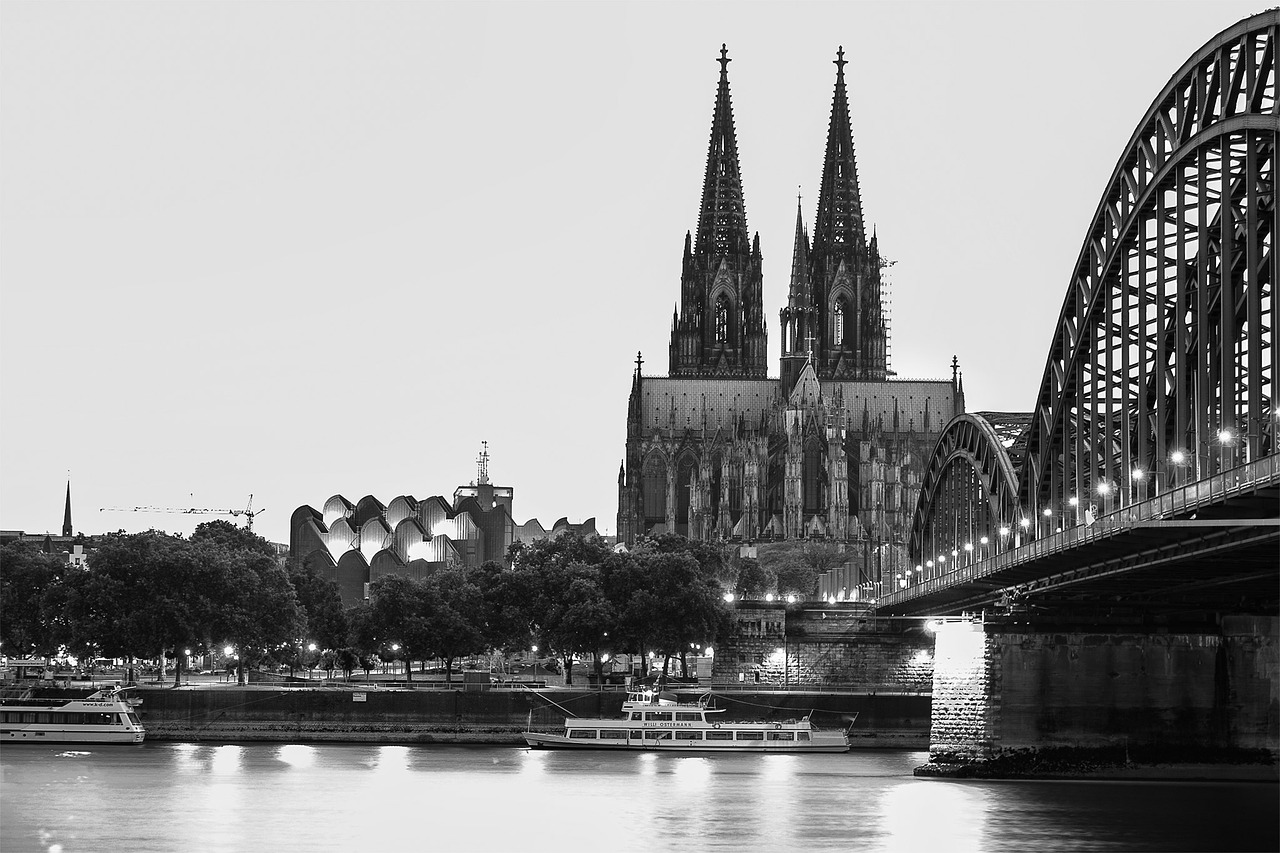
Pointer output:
248, 512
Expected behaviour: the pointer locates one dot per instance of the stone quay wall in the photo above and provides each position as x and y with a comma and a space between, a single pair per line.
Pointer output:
776, 645
309, 714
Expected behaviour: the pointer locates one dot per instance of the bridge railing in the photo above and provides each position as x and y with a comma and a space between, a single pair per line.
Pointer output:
1177, 501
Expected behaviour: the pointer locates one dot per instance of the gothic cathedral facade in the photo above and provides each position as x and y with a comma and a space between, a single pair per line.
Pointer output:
835, 446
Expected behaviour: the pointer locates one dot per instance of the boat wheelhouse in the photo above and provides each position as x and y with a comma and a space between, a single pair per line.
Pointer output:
106, 716
650, 722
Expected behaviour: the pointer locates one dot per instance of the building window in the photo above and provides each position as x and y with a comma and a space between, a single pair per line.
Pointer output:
722, 319
839, 326
655, 489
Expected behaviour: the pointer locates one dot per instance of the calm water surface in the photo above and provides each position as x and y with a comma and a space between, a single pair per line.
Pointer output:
267, 797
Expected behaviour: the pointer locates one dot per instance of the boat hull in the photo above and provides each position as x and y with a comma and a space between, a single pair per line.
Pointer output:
69, 736
547, 741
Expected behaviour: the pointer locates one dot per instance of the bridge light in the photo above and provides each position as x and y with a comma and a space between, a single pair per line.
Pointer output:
918, 568
1026, 522
1047, 512
1225, 436
984, 540
942, 558
902, 583
1074, 501
968, 546
1139, 474
1178, 457
1104, 488
929, 563
1004, 531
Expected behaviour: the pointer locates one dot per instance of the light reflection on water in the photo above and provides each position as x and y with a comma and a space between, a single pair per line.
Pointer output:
266, 797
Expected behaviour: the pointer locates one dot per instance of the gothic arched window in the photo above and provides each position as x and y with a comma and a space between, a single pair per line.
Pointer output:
722, 319
684, 489
838, 319
811, 472
654, 486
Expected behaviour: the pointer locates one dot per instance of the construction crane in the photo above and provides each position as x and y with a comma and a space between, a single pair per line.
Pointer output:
248, 512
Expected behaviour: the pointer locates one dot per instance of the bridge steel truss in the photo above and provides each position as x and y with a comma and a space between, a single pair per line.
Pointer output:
969, 491
1163, 363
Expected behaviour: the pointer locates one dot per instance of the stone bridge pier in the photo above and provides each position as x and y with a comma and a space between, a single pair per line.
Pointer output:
1001, 686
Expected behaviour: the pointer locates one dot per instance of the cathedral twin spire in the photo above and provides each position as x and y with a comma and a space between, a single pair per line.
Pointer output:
833, 314
719, 328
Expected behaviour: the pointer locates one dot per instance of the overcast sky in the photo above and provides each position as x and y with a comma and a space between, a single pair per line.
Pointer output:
299, 249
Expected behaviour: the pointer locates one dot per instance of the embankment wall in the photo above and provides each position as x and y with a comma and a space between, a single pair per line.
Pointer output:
288, 714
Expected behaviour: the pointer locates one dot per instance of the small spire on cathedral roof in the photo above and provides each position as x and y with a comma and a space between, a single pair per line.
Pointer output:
799, 295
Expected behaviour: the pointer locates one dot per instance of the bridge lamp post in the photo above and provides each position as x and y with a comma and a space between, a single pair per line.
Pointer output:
1226, 439
983, 542
1180, 460
1004, 536
1025, 524
1048, 518
1104, 489
968, 553
1075, 504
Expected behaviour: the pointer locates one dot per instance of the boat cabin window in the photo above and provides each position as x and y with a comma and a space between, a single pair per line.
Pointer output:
684, 716
657, 734
684, 734
802, 735
589, 734
714, 735
782, 735
612, 734
637, 734
660, 716
750, 735
133, 718
635, 715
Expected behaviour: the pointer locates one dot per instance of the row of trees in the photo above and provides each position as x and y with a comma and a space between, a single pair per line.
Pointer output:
152, 595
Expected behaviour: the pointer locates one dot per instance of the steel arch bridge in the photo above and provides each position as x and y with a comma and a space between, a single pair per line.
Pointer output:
1165, 340
1162, 370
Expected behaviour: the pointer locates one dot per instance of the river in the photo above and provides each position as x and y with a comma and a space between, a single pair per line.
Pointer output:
270, 797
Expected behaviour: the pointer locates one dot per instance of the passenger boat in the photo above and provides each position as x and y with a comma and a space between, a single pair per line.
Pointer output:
106, 716
650, 722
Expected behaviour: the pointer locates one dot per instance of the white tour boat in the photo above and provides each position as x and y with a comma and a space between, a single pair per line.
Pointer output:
106, 716
650, 722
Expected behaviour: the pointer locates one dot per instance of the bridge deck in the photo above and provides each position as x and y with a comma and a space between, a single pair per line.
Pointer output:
1212, 543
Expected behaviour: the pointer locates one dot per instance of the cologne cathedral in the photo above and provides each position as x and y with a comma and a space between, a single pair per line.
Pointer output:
835, 447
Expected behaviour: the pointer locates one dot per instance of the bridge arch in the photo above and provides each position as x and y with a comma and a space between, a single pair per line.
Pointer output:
1163, 364
970, 488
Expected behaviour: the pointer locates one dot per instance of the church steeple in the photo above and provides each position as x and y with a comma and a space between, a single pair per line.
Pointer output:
839, 222
798, 315
720, 327
844, 272
722, 219
66, 513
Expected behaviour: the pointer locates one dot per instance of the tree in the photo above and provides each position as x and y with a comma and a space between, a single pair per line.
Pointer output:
575, 613
798, 566
400, 616
157, 593
25, 574
321, 603
457, 616
673, 603
754, 581
256, 607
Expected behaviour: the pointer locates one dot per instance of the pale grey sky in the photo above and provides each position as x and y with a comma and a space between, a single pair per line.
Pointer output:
299, 249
